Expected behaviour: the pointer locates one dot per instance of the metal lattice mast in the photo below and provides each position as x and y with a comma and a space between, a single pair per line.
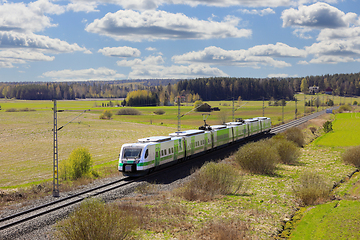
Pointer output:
179, 117
55, 162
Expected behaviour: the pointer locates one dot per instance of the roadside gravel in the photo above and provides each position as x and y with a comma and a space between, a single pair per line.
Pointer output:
43, 227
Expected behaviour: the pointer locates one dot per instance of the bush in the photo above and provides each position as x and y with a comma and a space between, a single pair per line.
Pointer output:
327, 126
77, 165
224, 230
257, 157
11, 110
210, 180
344, 108
312, 188
94, 219
354, 103
295, 135
107, 114
352, 156
159, 112
287, 150
128, 111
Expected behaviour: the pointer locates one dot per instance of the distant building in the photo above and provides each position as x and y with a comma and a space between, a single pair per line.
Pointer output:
313, 90
328, 91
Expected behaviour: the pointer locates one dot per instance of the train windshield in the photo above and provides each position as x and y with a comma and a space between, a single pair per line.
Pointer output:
132, 152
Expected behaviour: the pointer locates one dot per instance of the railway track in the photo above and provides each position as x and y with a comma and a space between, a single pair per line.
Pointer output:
297, 122
41, 210
24, 216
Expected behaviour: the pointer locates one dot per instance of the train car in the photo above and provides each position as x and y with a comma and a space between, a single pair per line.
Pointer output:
147, 154
139, 158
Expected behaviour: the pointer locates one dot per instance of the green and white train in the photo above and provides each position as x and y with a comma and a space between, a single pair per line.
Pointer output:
150, 153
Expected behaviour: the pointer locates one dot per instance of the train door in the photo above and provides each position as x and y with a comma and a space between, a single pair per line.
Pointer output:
176, 149
157, 154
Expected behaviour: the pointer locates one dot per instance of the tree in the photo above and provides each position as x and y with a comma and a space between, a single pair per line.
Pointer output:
304, 87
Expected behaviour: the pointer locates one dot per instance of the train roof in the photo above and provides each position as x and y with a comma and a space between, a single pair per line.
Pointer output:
154, 139
215, 127
186, 133
234, 123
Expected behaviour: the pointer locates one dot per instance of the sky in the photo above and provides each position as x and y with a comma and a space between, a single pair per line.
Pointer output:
81, 40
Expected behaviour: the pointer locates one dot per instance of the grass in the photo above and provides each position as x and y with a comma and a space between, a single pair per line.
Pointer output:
346, 131
333, 220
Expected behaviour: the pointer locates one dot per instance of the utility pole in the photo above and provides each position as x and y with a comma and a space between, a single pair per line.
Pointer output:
179, 117
295, 108
263, 107
55, 160
233, 110
282, 103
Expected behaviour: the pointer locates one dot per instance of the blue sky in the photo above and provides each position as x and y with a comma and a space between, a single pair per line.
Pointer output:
79, 40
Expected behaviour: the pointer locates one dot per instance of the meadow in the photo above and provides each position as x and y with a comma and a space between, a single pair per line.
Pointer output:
346, 131
26, 146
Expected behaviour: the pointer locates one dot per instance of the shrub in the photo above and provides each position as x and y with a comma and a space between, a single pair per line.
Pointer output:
128, 111
257, 157
107, 114
94, 219
312, 188
344, 108
224, 230
210, 180
11, 110
354, 103
327, 126
295, 135
352, 156
159, 112
287, 150
77, 165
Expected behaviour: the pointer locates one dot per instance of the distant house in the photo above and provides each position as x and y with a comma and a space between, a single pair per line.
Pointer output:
328, 91
313, 90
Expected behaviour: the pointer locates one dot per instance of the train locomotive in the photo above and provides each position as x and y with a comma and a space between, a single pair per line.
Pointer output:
151, 153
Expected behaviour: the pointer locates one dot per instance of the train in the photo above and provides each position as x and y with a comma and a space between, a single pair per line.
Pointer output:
151, 153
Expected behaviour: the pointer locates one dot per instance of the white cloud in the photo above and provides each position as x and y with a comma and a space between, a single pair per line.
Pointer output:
20, 17
336, 48
152, 67
262, 12
151, 25
45, 6
86, 6
253, 57
39, 42
123, 52
175, 71
332, 60
149, 61
319, 15
150, 49
101, 73
278, 75
333, 34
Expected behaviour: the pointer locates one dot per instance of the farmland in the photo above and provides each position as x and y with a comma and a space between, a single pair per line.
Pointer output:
26, 136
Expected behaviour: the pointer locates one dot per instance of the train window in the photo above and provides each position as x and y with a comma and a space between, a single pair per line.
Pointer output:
157, 154
172, 150
146, 153
165, 152
162, 152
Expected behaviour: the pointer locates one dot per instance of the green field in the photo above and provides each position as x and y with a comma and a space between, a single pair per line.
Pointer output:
346, 131
333, 220
26, 137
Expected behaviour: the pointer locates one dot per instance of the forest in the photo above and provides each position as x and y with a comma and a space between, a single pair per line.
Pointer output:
165, 90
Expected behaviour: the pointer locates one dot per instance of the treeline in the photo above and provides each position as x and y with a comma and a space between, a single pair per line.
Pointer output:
73, 90
166, 90
256, 89
211, 89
